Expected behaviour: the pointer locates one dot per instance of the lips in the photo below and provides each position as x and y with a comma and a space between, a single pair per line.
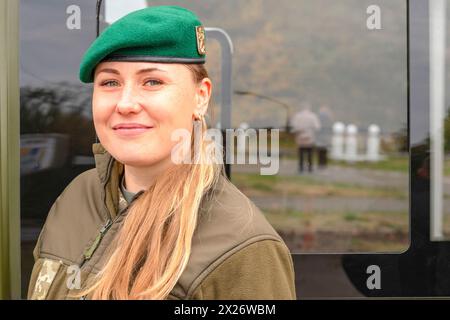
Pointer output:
124, 126
129, 130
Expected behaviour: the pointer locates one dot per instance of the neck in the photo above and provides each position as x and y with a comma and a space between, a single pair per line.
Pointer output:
141, 178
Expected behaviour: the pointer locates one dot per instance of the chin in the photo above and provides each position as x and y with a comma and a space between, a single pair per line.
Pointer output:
137, 153
137, 160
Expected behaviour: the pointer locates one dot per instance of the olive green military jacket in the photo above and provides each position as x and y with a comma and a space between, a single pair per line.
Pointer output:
236, 254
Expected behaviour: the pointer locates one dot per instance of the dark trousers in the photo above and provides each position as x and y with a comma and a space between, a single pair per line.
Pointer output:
322, 153
305, 153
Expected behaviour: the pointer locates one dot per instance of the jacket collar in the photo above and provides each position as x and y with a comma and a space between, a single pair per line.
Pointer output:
109, 172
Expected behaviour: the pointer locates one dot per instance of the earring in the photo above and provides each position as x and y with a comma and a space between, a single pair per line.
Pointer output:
198, 116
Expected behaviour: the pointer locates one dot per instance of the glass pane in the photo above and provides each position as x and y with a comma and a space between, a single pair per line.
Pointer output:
55, 109
328, 55
346, 61
325, 68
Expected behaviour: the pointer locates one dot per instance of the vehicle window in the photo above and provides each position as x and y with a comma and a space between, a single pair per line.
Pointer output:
318, 87
329, 80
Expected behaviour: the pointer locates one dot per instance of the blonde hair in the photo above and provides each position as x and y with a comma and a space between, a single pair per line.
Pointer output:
153, 246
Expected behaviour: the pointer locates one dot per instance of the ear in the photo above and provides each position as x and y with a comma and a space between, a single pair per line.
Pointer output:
204, 90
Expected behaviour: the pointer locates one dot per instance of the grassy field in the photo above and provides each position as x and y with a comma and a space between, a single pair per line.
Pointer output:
342, 231
334, 230
348, 222
447, 167
255, 184
392, 163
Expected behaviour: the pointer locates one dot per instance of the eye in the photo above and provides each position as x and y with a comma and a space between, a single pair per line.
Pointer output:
153, 82
109, 83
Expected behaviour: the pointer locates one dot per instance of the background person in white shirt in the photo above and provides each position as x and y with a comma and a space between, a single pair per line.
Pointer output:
305, 124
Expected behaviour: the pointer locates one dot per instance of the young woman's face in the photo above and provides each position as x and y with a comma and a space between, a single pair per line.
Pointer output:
137, 106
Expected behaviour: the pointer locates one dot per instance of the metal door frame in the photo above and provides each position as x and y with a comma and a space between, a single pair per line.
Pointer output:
9, 151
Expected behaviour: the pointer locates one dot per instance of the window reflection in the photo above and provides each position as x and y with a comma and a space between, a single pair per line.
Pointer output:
350, 194
56, 130
342, 184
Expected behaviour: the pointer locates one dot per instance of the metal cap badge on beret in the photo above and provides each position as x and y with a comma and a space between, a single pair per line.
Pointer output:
167, 34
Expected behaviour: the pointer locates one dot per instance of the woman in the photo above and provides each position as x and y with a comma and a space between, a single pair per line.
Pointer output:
140, 226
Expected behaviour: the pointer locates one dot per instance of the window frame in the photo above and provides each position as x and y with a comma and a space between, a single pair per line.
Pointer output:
9, 151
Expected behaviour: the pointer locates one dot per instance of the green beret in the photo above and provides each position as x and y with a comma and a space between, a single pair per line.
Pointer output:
167, 34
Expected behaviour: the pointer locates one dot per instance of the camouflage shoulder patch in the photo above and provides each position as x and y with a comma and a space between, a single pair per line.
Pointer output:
200, 32
45, 279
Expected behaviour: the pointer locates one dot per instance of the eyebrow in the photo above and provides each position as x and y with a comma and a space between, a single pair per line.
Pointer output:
107, 70
114, 71
149, 70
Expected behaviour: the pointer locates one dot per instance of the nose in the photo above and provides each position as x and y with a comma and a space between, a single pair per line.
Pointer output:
128, 103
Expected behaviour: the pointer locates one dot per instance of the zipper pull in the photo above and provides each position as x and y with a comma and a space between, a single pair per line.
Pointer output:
90, 251
106, 226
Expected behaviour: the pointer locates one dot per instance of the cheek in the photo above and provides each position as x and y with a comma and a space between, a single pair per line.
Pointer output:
101, 114
102, 108
177, 113
171, 116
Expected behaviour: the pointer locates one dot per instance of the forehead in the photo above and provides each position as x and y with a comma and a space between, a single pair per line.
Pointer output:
133, 68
